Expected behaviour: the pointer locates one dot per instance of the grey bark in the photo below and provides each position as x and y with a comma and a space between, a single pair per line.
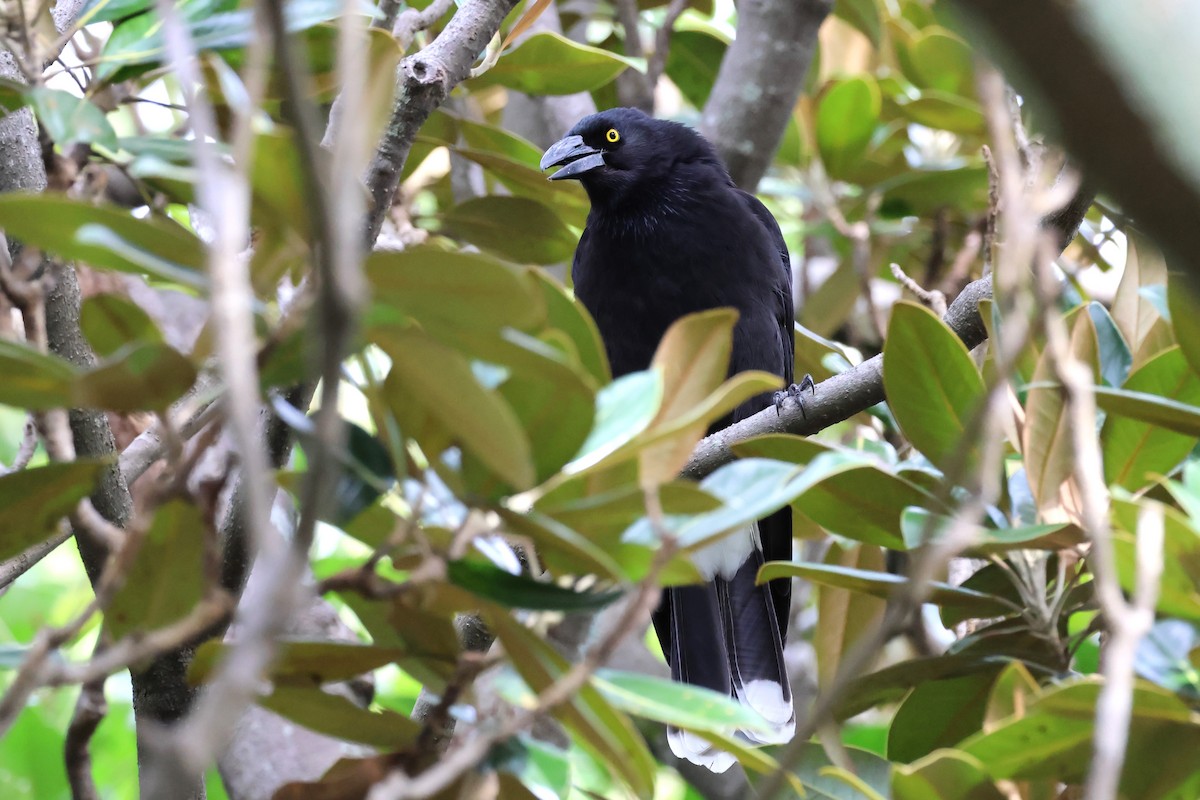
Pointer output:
760, 81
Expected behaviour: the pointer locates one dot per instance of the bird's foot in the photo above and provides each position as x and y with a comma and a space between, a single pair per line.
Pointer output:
796, 391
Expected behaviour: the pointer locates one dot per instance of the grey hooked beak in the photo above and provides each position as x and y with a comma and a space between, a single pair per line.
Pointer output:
578, 157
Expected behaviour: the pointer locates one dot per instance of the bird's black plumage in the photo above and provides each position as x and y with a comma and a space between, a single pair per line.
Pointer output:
670, 234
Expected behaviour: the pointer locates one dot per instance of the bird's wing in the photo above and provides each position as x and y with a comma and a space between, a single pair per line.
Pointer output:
785, 312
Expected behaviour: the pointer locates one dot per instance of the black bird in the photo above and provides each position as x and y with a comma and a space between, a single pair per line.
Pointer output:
670, 234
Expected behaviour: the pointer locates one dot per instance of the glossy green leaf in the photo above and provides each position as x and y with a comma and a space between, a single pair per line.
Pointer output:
606, 514
34, 380
918, 527
940, 60
568, 315
110, 10
34, 499
921, 192
565, 198
1179, 587
863, 15
304, 664
1053, 740
1134, 451
693, 61
147, 376
1185, 317
1162, 412
1113, 352
867, 779
935, 109
932, 385
549, 63
516, 228
624, 408
693, 708
939, 714
67, 118
104, 236
751, 488
561, 547
603, 730
112, 321
430, 380
884, 585
487, 294
846, 118
517, 591
166, 579
944, 775
891, 684
335, 716
864, 503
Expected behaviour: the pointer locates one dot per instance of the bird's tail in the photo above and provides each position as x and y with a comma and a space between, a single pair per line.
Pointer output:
724, 636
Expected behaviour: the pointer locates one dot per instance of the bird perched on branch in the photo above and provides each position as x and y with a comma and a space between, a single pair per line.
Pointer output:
669, 234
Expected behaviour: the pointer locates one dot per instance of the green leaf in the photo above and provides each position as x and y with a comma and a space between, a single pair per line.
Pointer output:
111, 10
517, 228
517, 591
68, 118
624, 408
604, 731
944, 775
750, 489
566, 198
940, 714
335, 716
847, 115
924, 191
932, 385
1135, 451
104, 236
1157, 410
1115, 358
138, 377
166, 579
940, 60
111, 321
1049, 536
891, 684
884, 585
1185, 318
869, 780
1179, 587
34, 499
304, 664
34, 380
948, 112
693, 708
864, 503
561, 547
446, 291
693, 61
863, 15
565, 313
549, 63
1053, 740
429, 380
843, 617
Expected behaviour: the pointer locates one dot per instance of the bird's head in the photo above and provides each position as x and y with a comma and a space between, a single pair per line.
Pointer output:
617, 152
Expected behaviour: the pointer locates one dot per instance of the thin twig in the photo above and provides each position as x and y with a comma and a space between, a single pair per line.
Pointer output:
90, 709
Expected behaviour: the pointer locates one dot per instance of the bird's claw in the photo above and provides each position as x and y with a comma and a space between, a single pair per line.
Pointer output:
796, 391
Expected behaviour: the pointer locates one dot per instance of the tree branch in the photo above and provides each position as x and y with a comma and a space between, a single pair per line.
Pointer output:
424, 82
760, 81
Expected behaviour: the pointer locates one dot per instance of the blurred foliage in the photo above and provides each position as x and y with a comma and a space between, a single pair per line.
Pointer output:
484, 412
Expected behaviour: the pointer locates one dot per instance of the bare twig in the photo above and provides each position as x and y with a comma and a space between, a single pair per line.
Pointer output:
21, 563
28, 446
90, 709
662, 42
412, 21
426, 79
932, 298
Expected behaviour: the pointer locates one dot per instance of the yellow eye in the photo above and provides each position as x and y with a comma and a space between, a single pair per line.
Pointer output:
612, 135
